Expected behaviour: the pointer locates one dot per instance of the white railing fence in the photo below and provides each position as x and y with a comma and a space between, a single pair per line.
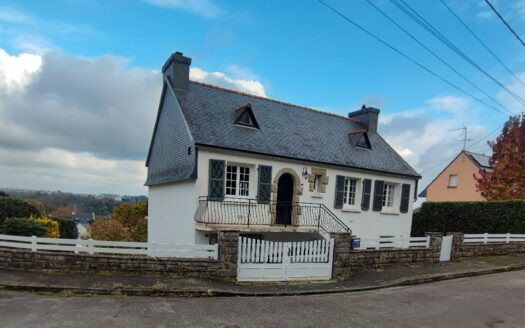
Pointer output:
110, 247
368, 242
486, 238
265, 251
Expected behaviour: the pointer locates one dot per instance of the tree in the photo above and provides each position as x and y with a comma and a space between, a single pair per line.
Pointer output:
16, 208
108, 229
133, 218
506, 180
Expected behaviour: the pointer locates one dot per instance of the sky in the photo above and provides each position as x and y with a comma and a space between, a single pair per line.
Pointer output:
80, 80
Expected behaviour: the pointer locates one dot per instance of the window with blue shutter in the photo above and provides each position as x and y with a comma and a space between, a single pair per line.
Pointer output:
339, 191
367, 191
378, 195
264, 188
405, 198
216, 179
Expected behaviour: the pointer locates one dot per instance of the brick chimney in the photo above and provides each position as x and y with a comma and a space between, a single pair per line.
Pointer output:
177, 70
368, 116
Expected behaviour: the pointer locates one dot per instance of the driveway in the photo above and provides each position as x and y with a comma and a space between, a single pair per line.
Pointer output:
496, 300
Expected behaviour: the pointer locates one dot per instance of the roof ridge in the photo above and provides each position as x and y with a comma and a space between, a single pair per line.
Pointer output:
276, 101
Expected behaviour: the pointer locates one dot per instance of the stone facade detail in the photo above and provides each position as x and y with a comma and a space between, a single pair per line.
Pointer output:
311, 179
297, 193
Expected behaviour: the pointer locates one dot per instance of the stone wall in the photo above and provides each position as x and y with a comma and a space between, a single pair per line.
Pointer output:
348, 260
224, 267
461, 249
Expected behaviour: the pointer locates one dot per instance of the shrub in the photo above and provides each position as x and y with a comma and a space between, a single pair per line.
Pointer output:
133, 218
108, 229
23, 227
68, 228
470, 217
16, 208
52, 226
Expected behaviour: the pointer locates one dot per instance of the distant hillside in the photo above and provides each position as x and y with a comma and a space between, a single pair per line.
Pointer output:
63, 203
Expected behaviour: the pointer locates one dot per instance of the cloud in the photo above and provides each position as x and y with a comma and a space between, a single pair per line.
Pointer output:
10, 15
218, 78
81, 124
205, 8
423, 138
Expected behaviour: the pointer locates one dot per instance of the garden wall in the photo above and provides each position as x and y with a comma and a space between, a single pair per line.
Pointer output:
462, 250
348, 260
224, 267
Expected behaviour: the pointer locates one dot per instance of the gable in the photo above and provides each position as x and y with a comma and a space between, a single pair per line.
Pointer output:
244, 117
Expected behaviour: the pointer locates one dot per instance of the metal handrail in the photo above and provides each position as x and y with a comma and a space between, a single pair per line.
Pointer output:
248, 211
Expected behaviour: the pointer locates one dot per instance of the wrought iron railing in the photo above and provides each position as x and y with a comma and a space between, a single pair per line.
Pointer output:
244, 211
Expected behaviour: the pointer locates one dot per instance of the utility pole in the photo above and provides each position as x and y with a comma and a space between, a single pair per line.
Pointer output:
465, 139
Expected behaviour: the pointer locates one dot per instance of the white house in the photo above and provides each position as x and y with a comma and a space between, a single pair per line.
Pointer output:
220, 160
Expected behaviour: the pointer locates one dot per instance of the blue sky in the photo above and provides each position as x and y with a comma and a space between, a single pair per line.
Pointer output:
298, 51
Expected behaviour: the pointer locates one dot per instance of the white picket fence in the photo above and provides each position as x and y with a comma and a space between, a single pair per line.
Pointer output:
368, 242
110, 247
486, 238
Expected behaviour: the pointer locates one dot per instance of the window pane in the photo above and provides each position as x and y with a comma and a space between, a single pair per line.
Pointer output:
453, 180
231, 180
244, 181
350, 191
345, 194
388, 195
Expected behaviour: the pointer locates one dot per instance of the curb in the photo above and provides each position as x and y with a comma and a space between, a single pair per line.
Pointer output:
71, 290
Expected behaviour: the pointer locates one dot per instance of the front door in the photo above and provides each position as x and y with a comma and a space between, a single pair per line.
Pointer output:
284, 199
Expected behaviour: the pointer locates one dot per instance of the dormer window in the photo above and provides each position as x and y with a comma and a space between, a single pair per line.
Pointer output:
244, 117
360, 139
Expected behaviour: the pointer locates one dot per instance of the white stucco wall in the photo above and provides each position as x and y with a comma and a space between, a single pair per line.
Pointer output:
171, 208
362, 223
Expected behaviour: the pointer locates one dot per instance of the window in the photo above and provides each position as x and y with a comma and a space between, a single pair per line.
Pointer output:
350, 191
453, 181
237, 180
244, 117
317, 182
388, 194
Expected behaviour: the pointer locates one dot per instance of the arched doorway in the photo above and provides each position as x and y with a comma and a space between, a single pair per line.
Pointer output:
285, 193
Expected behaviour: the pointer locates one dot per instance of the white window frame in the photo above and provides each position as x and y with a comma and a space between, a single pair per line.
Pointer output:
395, 198
450, 180
237, 181
357, 194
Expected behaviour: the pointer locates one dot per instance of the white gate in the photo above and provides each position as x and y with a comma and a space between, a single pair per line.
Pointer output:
264, 260
446, 248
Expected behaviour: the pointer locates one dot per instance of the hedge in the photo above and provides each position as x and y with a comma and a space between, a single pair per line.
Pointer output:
68, 228
470, 217
23, 227
16, 208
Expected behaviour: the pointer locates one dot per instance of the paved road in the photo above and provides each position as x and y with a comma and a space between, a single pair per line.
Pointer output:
488, 301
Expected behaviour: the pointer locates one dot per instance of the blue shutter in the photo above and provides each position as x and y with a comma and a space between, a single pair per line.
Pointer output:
264, 189
216, 179
378, 195
405, 198
339, 191
367, 191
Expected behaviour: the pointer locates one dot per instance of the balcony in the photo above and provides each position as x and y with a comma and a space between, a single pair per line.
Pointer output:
248, 213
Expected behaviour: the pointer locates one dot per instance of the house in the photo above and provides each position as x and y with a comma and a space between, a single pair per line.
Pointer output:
456, 182
222, 160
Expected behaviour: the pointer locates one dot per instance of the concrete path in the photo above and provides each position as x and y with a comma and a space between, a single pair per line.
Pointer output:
177, 286
496, 300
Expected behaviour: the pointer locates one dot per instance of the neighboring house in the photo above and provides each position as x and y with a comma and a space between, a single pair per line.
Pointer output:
220, 159
456, 182
83, 222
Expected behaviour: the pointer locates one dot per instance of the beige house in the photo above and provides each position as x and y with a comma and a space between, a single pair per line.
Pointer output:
456, 182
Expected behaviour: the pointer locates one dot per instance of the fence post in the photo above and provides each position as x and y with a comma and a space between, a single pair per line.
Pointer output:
33, 243
485, 238
152, 250
89, 244
508, 237
216, 251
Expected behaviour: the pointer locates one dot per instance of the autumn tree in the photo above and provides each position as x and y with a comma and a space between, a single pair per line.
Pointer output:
128, 222
506, 180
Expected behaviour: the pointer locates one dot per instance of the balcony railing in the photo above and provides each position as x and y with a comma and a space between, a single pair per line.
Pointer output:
240, 211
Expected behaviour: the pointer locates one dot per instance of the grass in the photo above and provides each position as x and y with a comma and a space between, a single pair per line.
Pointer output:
160, 287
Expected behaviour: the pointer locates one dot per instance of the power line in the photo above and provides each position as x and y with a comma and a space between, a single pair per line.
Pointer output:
412, 13
481, 42
504, 22
488, 135
406, 56
438, 164
434, 54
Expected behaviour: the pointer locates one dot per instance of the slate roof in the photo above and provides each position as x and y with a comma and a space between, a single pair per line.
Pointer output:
482, 161
285, 130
